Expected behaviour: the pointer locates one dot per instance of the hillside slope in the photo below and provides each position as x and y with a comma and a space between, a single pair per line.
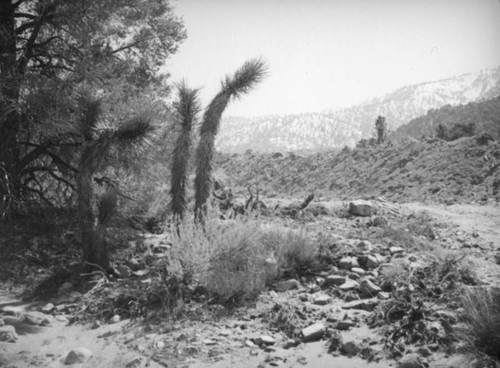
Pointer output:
485, 116
430, 170
316, 132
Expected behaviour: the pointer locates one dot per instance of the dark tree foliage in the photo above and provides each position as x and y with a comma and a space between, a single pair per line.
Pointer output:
49, 50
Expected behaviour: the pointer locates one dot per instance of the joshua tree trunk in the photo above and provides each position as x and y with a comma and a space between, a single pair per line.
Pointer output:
243, 80
94, 248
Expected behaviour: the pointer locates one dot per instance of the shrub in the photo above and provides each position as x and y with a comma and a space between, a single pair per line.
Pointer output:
482, 314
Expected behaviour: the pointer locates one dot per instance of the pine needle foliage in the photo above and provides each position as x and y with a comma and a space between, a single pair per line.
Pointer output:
187, 109
243, 80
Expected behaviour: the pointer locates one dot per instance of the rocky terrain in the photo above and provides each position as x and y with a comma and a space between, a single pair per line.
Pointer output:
316, 132
386, 298
411, 170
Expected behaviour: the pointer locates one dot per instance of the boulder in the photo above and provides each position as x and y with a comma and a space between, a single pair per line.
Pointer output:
348, 263
349, 285
78, 355
368, 288
361, 208
336, 280
8, 334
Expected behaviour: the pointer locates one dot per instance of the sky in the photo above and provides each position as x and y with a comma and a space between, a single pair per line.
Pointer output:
329, 54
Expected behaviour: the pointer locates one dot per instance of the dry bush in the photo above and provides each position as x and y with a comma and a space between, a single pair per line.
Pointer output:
234, 260
482, 316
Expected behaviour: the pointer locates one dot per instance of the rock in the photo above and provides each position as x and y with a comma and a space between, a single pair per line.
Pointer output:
287, 285
396, 250
358, 270
249, 343
411, 361
12, 311
209, 342
349, 285
361, 207
96, 325
497, 258
423, 351
363, 304
135, 362
368, 289
47, 308
160, 345
334, 280
348, 263
62, 318
266, 340
322, 300
349, 348
335, 342
364, 246
115, 319
78, 355
37, 319
313, 332
344, 325
8, 334
2, 323
372, 262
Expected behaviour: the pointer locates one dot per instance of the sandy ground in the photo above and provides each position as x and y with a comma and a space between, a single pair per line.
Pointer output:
114, 345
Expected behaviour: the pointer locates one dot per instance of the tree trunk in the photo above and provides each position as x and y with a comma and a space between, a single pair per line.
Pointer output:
9, 95
95, 253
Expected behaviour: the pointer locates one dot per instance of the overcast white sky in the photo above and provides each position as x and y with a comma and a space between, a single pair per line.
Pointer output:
326, 54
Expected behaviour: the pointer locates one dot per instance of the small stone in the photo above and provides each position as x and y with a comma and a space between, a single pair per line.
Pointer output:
12, 311
396, 250
322, 300
135, 362
368, 288
348, 263
79, 355
313, 332
423, 351
2, 323
349, 348
344, 325
115, 319
411, 361
349, 285
358, 270
37, 319
209, 342
8, 334
380, 221
47, 308
371, 262
124, 272
363, 304
361, 208
249, 343
96, 325
267, 340
334, 280
287, 285
160, 345
364, 246
61, 318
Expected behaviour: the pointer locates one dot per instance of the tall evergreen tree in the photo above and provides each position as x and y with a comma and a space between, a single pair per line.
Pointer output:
243, 80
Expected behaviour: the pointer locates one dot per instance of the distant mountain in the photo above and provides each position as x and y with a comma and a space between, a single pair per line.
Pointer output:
314, 132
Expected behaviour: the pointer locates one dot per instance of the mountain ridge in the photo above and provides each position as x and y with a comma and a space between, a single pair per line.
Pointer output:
323, 131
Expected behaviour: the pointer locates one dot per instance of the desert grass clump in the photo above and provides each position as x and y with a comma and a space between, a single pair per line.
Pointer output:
482, 316
296, 253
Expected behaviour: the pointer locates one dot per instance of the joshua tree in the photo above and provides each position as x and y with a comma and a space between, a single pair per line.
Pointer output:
98, 147
187, 108
236, 86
